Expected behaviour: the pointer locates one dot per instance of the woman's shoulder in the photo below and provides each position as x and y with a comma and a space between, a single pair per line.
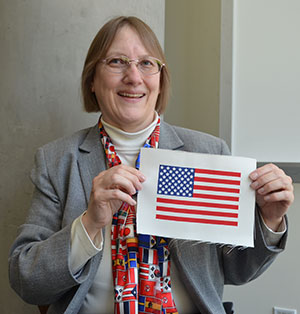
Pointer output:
70, 144
196, 141
189, 133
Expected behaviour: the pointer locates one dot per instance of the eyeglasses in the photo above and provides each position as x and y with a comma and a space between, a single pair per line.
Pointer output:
147, 65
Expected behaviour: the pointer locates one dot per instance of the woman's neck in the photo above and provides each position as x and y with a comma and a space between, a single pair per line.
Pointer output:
134, 140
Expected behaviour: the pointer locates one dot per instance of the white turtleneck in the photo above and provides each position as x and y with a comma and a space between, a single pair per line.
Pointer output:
128, 145
100, 298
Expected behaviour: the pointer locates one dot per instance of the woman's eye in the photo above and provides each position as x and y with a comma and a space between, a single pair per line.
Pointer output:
147, 63
116, 61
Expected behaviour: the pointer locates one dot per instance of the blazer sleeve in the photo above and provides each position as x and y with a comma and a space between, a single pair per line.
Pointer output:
241, 265
39, 269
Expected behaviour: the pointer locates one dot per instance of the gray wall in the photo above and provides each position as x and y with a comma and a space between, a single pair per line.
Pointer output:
192, 46
43, 46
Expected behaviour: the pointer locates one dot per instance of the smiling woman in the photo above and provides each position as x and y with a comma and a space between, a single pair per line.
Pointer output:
99, 51
128, 99
79, 250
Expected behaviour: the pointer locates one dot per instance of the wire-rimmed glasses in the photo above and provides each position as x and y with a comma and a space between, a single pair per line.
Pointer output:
146, 65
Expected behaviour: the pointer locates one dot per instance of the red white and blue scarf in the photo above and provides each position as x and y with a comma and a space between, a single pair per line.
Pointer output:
140, 263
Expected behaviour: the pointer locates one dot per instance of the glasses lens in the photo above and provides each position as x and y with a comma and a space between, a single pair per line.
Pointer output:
116, 64
149, 65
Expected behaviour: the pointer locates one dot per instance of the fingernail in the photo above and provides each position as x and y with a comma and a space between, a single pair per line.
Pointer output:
254, 185
261, 191
253, 175
143, 177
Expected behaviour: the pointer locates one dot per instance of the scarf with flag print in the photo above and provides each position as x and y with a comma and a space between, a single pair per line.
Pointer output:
140, 263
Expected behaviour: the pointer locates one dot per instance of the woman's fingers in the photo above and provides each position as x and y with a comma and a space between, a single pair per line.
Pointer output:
280, 196
274, 193
124, 178
102, 197
109, 189
270, 178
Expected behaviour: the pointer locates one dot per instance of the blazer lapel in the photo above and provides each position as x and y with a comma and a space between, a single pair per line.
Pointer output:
91, 160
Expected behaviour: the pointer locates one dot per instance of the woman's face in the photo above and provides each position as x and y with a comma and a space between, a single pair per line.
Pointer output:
127, 100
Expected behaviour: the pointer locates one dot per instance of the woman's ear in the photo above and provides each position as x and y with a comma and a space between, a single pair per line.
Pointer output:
92, 87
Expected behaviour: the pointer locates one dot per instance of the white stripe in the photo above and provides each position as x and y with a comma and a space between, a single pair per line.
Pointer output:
214, 176
144, 268
165, 268
224, 210
219, 185
196, 199
199, 191
197, 216
150, 256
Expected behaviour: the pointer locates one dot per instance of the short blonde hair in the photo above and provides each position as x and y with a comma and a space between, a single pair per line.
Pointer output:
98, 50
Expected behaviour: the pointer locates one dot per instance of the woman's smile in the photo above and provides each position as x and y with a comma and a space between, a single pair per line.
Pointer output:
131, 95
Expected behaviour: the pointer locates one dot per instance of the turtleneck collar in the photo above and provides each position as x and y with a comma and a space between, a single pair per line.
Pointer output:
127, 140
127, 145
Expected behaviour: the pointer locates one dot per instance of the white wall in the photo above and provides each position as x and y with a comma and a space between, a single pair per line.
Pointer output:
266, 87
43, 46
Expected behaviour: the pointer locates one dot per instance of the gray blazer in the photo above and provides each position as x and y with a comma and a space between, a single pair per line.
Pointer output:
39, 260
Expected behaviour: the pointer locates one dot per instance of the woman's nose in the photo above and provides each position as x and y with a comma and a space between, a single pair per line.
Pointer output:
132, 74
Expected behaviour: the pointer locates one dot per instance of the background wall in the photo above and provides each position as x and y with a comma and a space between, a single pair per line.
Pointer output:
43, 46
265, 89
192, 45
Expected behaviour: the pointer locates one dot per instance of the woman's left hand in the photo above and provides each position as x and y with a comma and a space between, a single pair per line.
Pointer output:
274, 193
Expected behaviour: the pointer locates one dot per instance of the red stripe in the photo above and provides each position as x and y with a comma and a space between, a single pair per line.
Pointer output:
191, 203
212, 180
132, 307
219, 173
198, 220
216, 189
196, 212
217, 197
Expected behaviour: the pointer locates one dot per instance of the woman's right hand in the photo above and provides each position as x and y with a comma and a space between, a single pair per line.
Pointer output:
110, 188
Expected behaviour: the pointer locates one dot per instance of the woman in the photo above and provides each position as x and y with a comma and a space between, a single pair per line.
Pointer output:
78, 250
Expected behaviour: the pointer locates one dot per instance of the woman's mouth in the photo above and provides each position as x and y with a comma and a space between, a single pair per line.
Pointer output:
131, 95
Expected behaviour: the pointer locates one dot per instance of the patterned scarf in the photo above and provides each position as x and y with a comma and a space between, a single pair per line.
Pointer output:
140, 263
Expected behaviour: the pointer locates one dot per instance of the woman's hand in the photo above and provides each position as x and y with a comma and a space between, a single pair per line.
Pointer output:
274, 193
110, 188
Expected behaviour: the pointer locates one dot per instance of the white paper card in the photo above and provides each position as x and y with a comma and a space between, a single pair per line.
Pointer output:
196, 196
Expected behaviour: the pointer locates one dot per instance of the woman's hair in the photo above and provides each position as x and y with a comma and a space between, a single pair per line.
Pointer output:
98, 50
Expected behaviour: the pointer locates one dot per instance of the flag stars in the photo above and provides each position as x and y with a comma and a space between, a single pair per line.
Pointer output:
175, 181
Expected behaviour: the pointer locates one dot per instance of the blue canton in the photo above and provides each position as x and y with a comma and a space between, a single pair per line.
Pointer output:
175, 181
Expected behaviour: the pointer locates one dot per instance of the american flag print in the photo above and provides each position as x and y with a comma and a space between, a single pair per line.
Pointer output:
195, 195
